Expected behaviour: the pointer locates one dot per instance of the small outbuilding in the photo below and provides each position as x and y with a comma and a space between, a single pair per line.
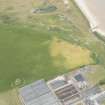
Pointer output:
79, 78
81, 82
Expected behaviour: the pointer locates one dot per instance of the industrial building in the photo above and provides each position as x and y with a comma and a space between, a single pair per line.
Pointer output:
68, 94
62, 90
38, 93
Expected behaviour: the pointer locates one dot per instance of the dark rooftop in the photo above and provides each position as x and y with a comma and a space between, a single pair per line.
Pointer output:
67, 94
79, 78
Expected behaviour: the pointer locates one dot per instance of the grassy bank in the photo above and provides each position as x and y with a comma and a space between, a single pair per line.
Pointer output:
25, 39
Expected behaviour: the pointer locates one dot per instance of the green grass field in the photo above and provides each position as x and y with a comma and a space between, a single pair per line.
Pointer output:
25, 39
24, 54
96, 75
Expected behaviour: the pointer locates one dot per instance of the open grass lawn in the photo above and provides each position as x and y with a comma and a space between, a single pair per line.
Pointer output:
10, 98
24, 43
26, 38
69, 55
24, 54
96, 75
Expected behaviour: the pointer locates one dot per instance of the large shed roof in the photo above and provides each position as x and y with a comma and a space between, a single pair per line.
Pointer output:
38, 93
68, 94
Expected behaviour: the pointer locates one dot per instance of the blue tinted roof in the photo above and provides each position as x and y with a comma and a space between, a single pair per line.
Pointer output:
38, 93
79, 77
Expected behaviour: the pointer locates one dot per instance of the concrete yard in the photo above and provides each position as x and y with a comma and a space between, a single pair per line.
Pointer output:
94, 11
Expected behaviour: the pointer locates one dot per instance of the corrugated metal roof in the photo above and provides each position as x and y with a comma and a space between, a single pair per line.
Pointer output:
38, 93
68, 94
57, 83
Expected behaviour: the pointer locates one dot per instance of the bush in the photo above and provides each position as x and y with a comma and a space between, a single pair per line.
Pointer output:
102, 82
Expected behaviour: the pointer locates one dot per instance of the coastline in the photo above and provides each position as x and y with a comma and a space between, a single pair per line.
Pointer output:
94, 25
